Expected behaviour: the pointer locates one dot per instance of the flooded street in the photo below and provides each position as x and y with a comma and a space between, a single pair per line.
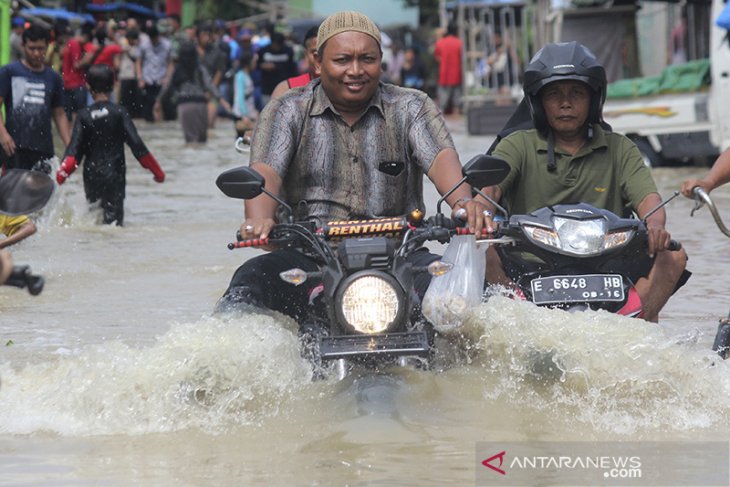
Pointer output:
118, 374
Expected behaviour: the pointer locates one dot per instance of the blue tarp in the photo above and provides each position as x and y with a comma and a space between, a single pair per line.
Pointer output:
131, 7
56, 13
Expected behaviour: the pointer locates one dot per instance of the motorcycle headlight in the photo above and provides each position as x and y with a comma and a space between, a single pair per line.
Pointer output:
578, 237
617, 239
581, 237
370, 303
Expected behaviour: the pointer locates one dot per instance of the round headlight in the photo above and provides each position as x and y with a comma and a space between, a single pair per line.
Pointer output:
370, 303
581, 237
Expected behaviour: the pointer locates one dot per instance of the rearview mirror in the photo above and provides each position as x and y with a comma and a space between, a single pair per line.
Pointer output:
23, 191
485, 170
241, 182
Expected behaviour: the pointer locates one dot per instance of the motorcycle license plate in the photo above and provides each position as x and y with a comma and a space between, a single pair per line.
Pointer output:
577, 289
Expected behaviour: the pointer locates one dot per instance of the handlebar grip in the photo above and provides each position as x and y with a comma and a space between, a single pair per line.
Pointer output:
674, 245
252, 242
469, 231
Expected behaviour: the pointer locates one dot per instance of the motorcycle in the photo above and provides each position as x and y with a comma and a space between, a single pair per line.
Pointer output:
23, 192
721, 345
576, 257
371, 315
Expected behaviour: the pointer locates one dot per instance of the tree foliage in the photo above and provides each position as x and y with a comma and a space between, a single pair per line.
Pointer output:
215, 9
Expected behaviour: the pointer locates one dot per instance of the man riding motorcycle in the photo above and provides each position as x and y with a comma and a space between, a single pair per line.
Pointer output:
570, 156
322, 145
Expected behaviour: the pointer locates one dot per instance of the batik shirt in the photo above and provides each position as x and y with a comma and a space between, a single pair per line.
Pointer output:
330, 170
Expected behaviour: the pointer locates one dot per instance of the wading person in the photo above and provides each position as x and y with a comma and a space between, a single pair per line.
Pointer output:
192, 89
243, 94
98, 139
33, 95
310, 52
276, 64
77, 57
154, 66
322, 145
569, 158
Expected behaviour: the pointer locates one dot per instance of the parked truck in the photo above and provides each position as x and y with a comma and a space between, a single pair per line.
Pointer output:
679, 117
683, 115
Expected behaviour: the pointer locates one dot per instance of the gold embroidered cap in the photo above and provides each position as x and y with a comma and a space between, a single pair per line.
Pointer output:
346, 21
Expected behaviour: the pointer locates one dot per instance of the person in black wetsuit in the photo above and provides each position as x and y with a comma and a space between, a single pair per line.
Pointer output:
99, 135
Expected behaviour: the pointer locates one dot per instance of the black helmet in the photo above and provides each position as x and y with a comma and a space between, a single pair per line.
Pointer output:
564, 61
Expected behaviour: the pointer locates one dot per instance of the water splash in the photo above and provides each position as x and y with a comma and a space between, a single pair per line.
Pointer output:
68, 207
612, 373
211, 375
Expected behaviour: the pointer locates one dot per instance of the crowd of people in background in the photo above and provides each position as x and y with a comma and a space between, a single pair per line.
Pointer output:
255, 58
161, 70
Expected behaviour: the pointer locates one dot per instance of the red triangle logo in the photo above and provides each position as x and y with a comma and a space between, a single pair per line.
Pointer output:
487, 462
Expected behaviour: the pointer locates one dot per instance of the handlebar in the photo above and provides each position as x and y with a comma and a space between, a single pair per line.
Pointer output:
435, 228
438, 229
702, 198
21, 277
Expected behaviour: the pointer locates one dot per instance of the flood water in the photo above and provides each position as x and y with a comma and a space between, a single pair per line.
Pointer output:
118, 374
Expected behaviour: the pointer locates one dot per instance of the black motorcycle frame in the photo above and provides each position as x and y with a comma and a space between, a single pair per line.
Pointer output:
356, 253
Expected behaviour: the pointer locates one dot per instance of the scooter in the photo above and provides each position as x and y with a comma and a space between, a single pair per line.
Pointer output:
23, 192
372, 314
721, 344
576, 257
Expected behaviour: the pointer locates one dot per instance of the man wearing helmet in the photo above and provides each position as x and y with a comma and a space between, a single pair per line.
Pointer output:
571, 156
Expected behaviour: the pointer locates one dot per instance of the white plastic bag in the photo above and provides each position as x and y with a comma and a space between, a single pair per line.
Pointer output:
449, 296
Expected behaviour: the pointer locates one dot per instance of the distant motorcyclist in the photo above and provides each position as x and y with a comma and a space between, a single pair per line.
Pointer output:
569, 157
322, 146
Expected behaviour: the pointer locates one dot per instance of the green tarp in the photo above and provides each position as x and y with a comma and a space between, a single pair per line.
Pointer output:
4, 32
677, 78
